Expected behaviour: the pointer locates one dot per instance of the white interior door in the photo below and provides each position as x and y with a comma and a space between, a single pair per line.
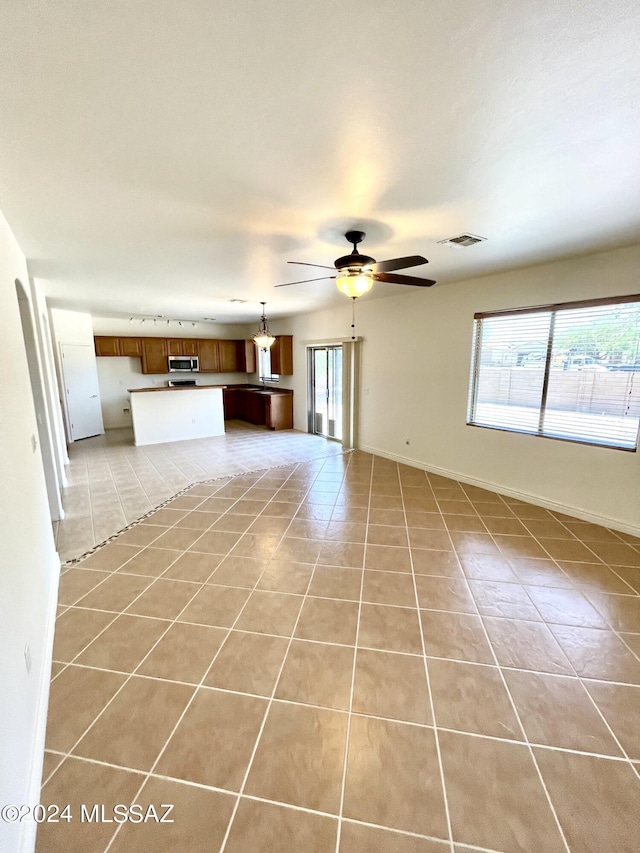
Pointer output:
80, 376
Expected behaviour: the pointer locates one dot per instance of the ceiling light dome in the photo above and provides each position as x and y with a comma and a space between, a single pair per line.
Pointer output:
354, 282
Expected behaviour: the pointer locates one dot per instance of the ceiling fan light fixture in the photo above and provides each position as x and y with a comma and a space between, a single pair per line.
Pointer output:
263, 337
354, 283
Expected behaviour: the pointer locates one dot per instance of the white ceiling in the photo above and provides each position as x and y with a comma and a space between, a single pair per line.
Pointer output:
164, 157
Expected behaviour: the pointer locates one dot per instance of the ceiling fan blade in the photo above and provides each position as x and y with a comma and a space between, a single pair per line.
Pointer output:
399, 263
305, 264
304, 281
392, 278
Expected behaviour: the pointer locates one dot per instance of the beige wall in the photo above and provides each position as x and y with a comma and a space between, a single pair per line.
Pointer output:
29, 566
415, 376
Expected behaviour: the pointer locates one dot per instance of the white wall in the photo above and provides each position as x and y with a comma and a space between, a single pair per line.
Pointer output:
29, 566
149, 329
117, 375
416, 359
52, 390
35, 361
71, 327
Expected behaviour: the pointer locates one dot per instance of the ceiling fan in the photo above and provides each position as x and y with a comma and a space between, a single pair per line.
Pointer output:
356, 273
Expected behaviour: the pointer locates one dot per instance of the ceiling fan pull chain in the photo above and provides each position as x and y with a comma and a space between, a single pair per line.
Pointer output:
353, 318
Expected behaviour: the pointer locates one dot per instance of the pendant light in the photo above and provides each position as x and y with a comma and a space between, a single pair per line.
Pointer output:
263, 337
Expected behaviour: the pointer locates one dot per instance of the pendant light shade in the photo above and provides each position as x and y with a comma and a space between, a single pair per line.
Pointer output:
354, 283
263, 337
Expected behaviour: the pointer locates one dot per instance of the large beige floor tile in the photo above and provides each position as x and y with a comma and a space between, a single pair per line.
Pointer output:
78, 783
597, 800
300, 757
248, 663
495, 796
199, 820
270, 828
213, 743
393, 777
135, 726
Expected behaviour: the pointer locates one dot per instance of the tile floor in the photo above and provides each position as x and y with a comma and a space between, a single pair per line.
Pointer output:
112, 483
349, 655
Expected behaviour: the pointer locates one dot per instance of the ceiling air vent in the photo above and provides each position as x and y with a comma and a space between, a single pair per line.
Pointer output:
462, 240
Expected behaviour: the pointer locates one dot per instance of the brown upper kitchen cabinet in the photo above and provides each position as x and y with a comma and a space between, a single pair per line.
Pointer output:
182, 346
249, 356
111, 345
131, 347
282, 355
107, 345
208, 356
154, 355
231, 356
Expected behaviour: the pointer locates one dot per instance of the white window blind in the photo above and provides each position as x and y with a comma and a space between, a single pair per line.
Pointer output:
568, 371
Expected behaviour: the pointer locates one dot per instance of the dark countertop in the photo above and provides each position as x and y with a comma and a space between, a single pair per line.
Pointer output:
258, 389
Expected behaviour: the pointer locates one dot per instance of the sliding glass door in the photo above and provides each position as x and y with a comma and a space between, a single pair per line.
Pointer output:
325, 391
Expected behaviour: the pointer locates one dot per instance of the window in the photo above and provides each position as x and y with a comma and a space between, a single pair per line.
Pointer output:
569, 371
264, 366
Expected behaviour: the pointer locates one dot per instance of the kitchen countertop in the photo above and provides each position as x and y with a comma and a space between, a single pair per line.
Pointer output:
258, 389
179, 388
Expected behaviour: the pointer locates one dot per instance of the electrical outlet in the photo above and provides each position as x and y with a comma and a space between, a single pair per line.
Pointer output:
27, 657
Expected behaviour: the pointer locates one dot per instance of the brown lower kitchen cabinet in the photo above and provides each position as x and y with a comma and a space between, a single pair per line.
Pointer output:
260, 406
278, 409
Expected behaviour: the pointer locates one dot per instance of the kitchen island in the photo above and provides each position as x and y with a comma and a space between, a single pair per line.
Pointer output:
176, 414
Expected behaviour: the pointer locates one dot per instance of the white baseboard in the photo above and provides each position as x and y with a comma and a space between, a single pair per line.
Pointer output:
576, 512
29, 828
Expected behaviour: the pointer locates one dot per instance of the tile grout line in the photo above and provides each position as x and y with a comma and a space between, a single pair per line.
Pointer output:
345, 762
365, 648
261, 470
153, 580
426, 670
270, 701
572, 667
131, 674
635, 769
290, 806
515, 709
195, 693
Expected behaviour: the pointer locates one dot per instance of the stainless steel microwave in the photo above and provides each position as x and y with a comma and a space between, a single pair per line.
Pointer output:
183, 364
